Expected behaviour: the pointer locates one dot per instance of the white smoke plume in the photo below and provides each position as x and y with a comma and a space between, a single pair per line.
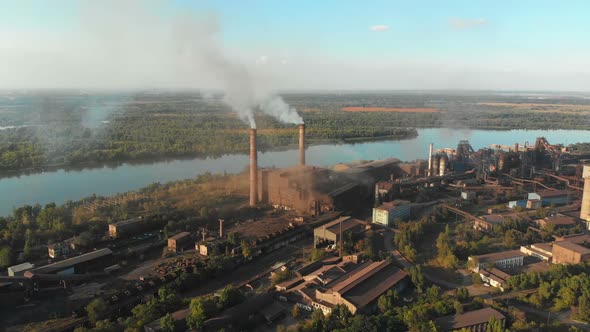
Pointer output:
130, 44
242, 92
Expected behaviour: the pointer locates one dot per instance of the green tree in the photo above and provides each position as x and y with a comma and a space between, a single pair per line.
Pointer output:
494, 325
583, 312
199, 310
5, 257
295, 312
167, 323
462, 293
317, 254
230, 296
246, 250
97, 309
417, 277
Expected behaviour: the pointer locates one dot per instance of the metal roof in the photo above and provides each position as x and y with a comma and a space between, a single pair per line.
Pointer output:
72, 261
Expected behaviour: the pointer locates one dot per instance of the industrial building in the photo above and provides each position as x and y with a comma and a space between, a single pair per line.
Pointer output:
487, 222
58, 249
542, 251
92, 261
331, 231
308, 190
388, 212
476, 321
20, 269
125, 227
585, 211
566, 252
357, 285
557, 221
494, 277
549, 197
179, 241
503, 259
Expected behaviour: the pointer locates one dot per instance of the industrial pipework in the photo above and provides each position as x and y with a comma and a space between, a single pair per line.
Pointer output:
253, 168
302, 144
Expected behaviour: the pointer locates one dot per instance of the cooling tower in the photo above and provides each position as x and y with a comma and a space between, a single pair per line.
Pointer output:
253, 168
302, 144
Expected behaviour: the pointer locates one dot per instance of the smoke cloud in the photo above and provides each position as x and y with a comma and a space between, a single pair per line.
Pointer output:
123, 44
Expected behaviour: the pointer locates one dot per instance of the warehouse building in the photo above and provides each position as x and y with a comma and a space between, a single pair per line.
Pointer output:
330, 232
92, 261
548, 197
357, 285
566, 252
502, 259
179, 241
387, 213
476, 321
125, 227
542, 251
557, 221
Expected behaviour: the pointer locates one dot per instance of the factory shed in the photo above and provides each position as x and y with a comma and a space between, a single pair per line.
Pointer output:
476, 320
548, 197
20, 269
331, 231
565, 252
95, 260
388, 212
125, 227
179, 241
557, 221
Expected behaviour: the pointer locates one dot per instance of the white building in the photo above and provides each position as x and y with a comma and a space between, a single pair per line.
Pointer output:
20, 269
502, 259
387, 213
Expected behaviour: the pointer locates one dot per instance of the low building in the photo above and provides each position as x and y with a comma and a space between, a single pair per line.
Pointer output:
179, 241
566, 252
20, 269
494, 277
330, 232
549, 197
533, 203
59, 248
514, 204
388, 212
467, 195
502, 259
542, 251
476, 321
209, 247
125, 227
487, 222
352, 283
556, 221
92, 261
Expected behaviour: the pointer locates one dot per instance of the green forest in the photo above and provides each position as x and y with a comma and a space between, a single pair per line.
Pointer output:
64, 129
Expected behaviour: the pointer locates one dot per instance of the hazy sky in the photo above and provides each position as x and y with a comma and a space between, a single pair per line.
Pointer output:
339, 44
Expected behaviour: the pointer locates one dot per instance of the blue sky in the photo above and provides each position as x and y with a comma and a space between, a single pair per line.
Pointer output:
525, 45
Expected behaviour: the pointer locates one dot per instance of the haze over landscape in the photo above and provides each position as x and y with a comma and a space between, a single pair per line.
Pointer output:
303, 45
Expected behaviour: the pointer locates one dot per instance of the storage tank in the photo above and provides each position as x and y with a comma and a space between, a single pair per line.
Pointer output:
442, 166
435, 162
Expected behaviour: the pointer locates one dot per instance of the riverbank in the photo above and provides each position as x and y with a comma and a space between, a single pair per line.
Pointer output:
62, 185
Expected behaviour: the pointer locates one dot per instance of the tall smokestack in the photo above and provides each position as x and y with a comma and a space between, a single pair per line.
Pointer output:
430, 148
253, 168
302, 144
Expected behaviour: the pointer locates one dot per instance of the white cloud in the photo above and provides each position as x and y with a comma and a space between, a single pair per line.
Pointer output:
379, 28
262, 60
460, 23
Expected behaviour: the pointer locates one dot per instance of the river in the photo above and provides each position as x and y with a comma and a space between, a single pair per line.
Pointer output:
61, 185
